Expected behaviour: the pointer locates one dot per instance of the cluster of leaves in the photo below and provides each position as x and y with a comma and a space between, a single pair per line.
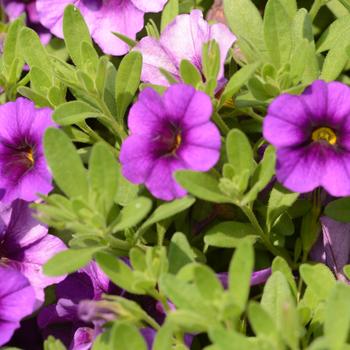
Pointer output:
176, 248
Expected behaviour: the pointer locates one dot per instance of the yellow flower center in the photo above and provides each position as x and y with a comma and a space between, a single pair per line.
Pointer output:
177, 142
324, 134
29, 155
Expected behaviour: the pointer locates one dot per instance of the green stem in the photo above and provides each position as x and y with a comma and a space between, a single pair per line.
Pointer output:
255, 116
264, 237
221, 124
316, 6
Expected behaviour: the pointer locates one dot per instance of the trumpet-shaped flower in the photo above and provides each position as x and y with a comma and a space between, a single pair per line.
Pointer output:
102, 17
182, 39
23, 169
169, 133
312, 135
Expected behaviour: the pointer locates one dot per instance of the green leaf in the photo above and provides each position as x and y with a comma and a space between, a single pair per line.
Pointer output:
237, 81
69, 261
11, 44
319, 279
231, 340
74, 112
127, 337
245, 21
127, 81
180, 252
75, 32
126, 191
262, 175
339, 209
170, 11
201, 185
280, 200
33, 51
279, 264
335, 61
229, 234
65, 163
164, 337
240, 271
277, 32
337, 317
52, 344
208, 285
167, 210
189, 73
239, 152
118, 272
133, 213
103, 174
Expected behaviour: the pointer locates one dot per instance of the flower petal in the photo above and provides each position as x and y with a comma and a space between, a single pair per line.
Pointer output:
149, 6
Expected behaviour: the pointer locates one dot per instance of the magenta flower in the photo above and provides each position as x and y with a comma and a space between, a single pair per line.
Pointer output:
182, 39
169, 133
312, 135
26, 246
102, 17
15, 8
23, 169
17, 299
333, 246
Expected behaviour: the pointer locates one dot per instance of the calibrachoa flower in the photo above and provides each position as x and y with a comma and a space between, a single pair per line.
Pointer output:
102, 17
312, 135
169, 133
62, 320
26, 246
23, 169
182, 39
15, 8
333, 246
17, 300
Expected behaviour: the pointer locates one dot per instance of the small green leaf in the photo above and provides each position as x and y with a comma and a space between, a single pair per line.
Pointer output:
132, 214
75, 32
229, 234
74, 112
170, 11
339, 209
127, 81
240, 271
69, 261
166, 210
189, 73
127, 337
201, 185
208, 285
65, 163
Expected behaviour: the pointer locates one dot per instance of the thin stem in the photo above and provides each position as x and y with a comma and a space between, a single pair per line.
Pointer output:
221, 124
316, 6
264, 237
255, 116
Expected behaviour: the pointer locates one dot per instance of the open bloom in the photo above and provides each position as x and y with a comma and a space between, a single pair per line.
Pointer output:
169, 133
17, 299
102, 17
182, 39
26, 246
15, 8
333, 246
23, 169
312, 135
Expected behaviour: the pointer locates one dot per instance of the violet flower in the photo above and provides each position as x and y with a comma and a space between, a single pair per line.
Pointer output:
26, 246
312, 135
15, 8
23, 169
62, 320
102, 17
333, 246
258, 277
17, 300
169, 133
182, 39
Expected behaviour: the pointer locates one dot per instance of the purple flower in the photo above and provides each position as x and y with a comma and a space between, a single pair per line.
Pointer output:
17, 299
312, 135
26, 246
182, 39
23, 169
258, 277
62, 320
333, 246
169, 133
102, 17
15, 8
